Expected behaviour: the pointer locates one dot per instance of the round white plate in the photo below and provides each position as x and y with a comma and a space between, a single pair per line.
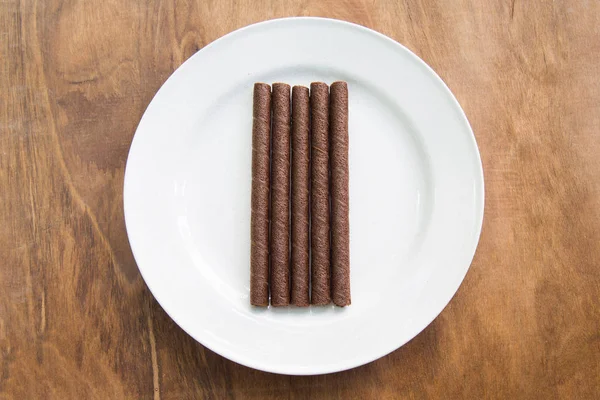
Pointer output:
416, 196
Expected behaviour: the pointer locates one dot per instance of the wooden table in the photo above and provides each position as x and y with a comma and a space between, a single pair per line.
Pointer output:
77, 321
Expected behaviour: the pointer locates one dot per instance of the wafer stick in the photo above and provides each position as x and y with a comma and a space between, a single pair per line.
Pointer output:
280, 197
320, 247
259, 219
340, 226
300, 196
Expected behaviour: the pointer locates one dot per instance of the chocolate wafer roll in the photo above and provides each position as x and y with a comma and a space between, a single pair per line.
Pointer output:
300, 195
259, 219
320, 247
340, 225
280, 197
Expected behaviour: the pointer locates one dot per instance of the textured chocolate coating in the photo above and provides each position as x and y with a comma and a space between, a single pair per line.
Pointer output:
320, 246
280, 196
300, 196
340, 224
259, 219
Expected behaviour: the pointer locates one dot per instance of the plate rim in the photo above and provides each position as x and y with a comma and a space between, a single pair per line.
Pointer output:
479, 199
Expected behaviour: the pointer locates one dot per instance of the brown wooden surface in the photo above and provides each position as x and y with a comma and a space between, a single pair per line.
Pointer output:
76, 320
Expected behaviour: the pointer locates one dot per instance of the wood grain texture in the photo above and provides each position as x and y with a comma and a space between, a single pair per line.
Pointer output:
76, 320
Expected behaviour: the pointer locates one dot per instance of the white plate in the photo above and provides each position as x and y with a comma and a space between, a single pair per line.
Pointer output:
416, 196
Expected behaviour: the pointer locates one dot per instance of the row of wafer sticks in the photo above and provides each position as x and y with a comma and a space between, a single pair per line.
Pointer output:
300, 195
